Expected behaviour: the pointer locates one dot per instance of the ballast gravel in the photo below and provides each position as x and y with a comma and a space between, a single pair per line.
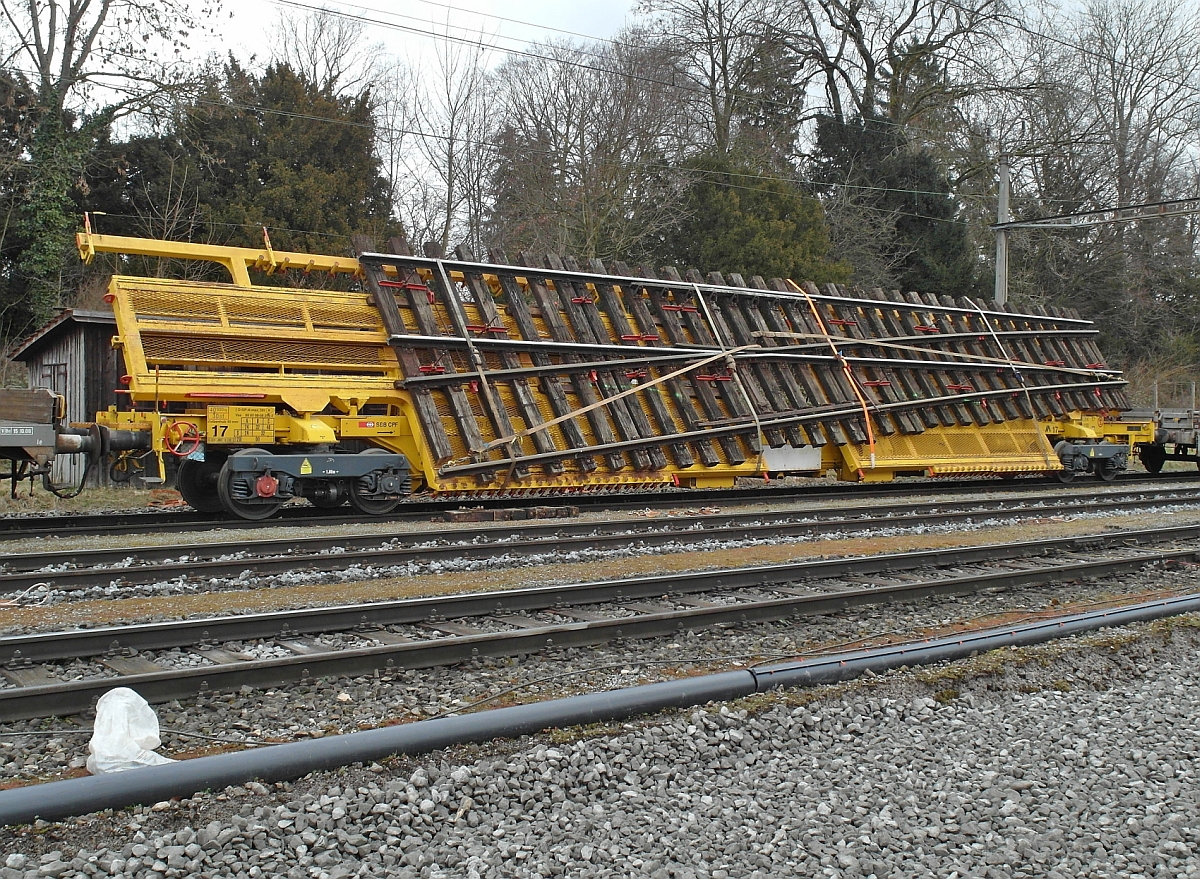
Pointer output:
1064, 762
46, 595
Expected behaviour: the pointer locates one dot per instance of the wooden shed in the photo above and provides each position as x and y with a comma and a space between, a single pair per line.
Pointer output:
72, 355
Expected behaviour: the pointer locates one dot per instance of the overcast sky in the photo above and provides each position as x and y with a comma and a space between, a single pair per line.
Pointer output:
508, 23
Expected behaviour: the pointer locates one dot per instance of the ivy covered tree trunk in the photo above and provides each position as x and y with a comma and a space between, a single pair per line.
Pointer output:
46, 220
50, 215
59, 51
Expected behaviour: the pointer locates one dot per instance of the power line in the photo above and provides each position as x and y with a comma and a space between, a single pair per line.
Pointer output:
477, 43
451, 8
1152, 211
1110, 59
692, 173
207, 222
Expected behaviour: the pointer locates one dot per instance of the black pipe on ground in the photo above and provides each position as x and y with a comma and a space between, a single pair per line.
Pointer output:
847, 666
63, 799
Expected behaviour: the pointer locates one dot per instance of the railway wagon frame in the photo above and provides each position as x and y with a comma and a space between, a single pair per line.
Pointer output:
458, 375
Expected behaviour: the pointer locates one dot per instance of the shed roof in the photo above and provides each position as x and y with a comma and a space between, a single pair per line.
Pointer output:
65, 321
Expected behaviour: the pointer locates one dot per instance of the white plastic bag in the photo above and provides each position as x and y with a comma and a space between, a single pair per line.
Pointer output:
125, 734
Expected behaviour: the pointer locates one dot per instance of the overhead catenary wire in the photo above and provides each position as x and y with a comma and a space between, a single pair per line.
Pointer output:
795, 180
792, 179
478, 43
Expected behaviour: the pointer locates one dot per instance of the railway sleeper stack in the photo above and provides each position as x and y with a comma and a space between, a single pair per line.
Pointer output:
454, 374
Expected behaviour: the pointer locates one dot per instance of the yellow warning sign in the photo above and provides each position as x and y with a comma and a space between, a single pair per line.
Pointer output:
305, 467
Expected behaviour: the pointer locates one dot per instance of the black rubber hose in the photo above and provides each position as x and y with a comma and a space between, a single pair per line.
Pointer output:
62, 491
62, 799
847, 666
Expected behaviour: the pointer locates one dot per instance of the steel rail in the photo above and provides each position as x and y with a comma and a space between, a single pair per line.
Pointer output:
48, 646
27, 527
780, 352
731, 427
624, 356
711, 523
461, 266
164, 563
76, 696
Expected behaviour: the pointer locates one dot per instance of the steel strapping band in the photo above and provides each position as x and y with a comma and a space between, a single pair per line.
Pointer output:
954, 355
721, 355
477, 361
731, 365
845, 368
1012, 365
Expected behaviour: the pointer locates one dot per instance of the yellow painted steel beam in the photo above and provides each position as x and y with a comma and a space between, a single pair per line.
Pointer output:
188, 342
237, 260
1100, 426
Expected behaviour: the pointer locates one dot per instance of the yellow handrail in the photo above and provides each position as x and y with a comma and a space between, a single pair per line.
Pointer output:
237, 260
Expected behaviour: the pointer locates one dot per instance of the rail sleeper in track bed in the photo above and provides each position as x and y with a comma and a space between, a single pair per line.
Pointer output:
450, 629
202, 562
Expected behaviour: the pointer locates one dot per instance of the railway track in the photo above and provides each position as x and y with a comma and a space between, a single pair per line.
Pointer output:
379, 554
214, 654
119, 523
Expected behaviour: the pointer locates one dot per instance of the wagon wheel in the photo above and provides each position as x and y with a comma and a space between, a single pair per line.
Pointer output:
367, 505
1107, 471
234, 488
197, 482
1065, 475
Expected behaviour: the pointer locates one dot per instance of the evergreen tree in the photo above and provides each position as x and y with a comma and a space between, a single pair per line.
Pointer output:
253, 151
903, 188
736, 220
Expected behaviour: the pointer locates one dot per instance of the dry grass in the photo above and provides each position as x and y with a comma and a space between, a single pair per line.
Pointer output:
92, 500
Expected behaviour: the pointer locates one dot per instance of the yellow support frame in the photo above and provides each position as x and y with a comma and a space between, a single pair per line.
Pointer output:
1096, 427
1010, 448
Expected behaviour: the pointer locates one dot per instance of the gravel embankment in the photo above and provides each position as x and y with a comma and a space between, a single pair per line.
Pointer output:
1066, 765
1072, 760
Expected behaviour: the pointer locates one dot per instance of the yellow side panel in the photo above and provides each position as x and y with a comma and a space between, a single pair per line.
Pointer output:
1017, 446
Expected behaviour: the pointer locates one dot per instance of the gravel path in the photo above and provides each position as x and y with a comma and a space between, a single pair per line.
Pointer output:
1070, 761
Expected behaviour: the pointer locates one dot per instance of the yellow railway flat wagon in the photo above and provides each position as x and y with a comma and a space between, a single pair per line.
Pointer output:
456, 375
